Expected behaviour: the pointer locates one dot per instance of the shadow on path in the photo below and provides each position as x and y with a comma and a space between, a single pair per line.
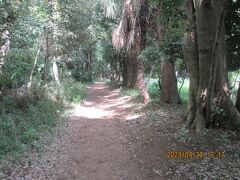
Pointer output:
91, 145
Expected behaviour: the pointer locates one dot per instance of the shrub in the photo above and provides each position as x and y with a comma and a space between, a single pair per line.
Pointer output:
23, 118
73, 91
82, 77
16, 69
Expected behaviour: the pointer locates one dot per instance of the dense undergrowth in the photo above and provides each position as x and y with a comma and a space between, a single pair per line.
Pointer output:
25, 115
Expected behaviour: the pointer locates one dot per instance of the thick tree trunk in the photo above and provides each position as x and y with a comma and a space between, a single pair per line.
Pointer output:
132, 67
169, 83
168, 78
204, 52
124, 70
238, 99
131, 34
144, 8
141, 84
191, 58
128, 70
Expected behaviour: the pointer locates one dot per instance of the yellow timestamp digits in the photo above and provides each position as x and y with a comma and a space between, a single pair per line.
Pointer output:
195, 154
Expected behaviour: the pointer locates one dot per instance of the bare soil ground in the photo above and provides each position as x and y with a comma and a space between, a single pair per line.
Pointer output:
91, 144
160, 139
110, 137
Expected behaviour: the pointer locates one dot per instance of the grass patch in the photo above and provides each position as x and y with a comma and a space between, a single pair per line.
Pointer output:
74, 92
26, 116
155, 93
113, 84
133, 92
20, 128
184, 94
184, 91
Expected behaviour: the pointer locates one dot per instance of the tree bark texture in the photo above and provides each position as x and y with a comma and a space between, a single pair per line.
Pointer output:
131, 34
47, 55
169, 83
5, 32
238, 99
4, 47
169, 93
204, 51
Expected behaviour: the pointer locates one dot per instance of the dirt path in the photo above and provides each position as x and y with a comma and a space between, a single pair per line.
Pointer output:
104, 139
91, 145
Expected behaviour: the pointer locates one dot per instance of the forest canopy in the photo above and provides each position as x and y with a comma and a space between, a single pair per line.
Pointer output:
182, 52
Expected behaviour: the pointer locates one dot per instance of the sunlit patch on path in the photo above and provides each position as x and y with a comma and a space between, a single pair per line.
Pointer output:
107, 106
91, 112
92, 144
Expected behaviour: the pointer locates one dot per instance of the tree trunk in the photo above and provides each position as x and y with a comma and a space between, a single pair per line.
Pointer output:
144, 8
168, 77
131, 34
5, 32
191, 58
47, 55
4, 48
169, 83
238, 99
204, 51
124, 70
90, 54
141, 84
132, 69
127, 71
55, 71
35, 61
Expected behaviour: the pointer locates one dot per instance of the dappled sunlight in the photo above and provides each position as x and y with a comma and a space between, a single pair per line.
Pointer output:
109, 105
97, 87
87, 103
91, 112
127, 106
133, 117
118, 99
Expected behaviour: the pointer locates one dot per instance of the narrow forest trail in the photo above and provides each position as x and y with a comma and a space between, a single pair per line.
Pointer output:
104, 138
91, 145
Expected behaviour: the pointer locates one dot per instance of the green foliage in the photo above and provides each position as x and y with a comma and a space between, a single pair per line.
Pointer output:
22, 122
233, 35
184, 92
169, 8
150, 54
171, 20
82, 76
74, 91
134, 92
71, 28
17, 68
180, 68
25, 115
154, 91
